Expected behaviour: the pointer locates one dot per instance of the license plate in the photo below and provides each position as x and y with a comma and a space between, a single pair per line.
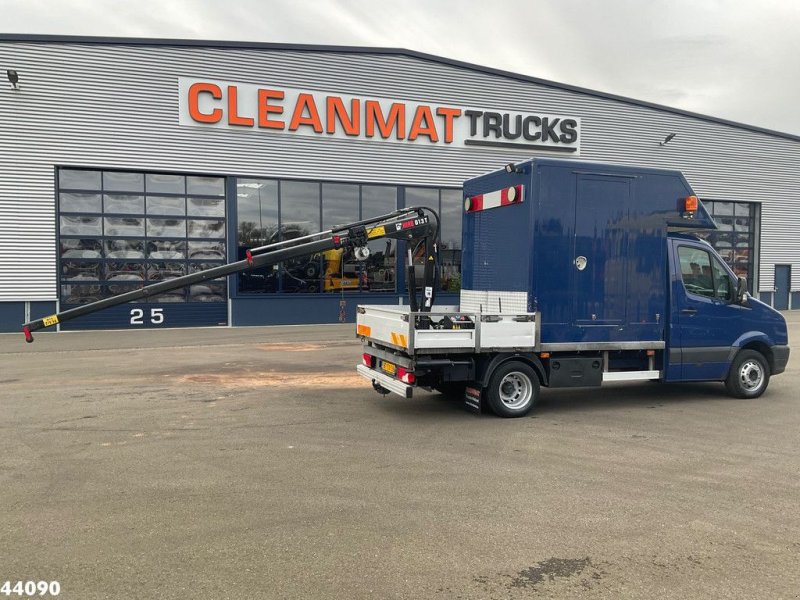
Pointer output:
389, 368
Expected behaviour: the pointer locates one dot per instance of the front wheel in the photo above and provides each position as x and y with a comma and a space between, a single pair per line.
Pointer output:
749, 375
513, 389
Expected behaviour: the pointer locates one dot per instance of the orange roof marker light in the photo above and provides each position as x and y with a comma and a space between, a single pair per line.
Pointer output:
690, 206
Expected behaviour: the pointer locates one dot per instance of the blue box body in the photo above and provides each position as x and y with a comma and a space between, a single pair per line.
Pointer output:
616, 217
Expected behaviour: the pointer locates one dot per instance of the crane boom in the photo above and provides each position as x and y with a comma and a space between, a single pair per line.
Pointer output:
404, 224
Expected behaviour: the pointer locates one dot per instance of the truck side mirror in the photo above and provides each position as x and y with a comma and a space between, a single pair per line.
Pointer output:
741, 289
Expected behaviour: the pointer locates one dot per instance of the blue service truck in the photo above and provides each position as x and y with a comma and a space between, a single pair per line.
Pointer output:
576, 274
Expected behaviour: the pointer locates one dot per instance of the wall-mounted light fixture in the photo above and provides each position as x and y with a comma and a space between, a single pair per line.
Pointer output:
667, 139
13, 78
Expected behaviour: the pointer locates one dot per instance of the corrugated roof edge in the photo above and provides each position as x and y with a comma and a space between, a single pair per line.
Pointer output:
79, 39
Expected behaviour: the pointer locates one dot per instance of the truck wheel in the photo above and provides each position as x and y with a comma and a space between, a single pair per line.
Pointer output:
749, 375
513, 389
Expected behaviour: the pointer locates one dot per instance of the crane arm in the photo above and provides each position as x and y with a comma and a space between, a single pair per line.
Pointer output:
406, 224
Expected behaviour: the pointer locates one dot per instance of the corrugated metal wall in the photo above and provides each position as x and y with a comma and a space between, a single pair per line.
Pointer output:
116, 106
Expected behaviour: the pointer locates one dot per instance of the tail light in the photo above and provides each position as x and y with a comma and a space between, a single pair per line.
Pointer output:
405, 375
368, 360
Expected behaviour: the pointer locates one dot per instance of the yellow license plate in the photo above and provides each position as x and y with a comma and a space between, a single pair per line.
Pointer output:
389, 368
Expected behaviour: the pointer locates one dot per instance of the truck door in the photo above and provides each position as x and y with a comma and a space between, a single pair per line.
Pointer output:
704, 315
600, 256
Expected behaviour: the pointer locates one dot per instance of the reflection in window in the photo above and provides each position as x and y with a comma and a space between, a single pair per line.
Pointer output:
166, 228
118, 181
206, 228
81, 271
207, 250
257, 210
124, 248
74, 202
81, 248
81, 225
206, 207
165, 184
339, 204
123, 203
76, 179
205, 186
166, 205
166, 249
123, 227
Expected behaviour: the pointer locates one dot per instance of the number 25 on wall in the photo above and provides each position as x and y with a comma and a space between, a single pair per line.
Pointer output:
156, 316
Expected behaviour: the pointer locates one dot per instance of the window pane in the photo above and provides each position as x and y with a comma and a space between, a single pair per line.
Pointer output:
123, 203
377, 200
166, 249
71, 202
124, 248
166, 205
124, 226
81, 225
206, 228
166, 228
257, 212
164, 271
207, 291
450, 247
167, 184
422, 197
339, 204
80, 294
121, 275
207, 250
300, 204
723, 208
81, 271
205, 186
299, 208
78, 180
723, 286
81, 249
123, 182
207, 207
696, 271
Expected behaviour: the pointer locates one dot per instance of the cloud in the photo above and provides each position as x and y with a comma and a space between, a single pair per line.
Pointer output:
725, 58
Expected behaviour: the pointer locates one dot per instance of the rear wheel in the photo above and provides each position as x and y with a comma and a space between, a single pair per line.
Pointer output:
749, 375
513, 389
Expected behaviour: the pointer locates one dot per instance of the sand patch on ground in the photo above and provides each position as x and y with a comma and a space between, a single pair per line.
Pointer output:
290, 347
278, 379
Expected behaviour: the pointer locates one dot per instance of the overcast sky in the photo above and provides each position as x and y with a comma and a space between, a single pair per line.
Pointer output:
734, 59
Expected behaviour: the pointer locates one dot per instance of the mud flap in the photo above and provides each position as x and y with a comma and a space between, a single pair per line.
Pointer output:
473, 398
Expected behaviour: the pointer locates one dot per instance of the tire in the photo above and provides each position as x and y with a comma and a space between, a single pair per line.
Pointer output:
513, 389
749, 375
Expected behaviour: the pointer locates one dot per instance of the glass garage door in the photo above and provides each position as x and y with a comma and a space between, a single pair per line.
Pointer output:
118, 231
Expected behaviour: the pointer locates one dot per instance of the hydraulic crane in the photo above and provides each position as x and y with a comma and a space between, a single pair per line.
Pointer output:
418, 224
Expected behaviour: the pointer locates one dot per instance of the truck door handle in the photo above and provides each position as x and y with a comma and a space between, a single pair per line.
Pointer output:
689, 311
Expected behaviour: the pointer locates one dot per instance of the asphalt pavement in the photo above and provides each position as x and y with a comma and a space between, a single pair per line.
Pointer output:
253, 463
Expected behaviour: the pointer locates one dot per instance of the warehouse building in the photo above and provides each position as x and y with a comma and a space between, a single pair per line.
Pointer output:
130, 161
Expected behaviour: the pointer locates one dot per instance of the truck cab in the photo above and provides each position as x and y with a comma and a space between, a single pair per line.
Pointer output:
713, 320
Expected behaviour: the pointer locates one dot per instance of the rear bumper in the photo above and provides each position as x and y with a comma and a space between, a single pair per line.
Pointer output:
780, 357
389, 383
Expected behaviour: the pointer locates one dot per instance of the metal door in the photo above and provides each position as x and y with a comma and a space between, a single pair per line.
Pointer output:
601, 250
783, 277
